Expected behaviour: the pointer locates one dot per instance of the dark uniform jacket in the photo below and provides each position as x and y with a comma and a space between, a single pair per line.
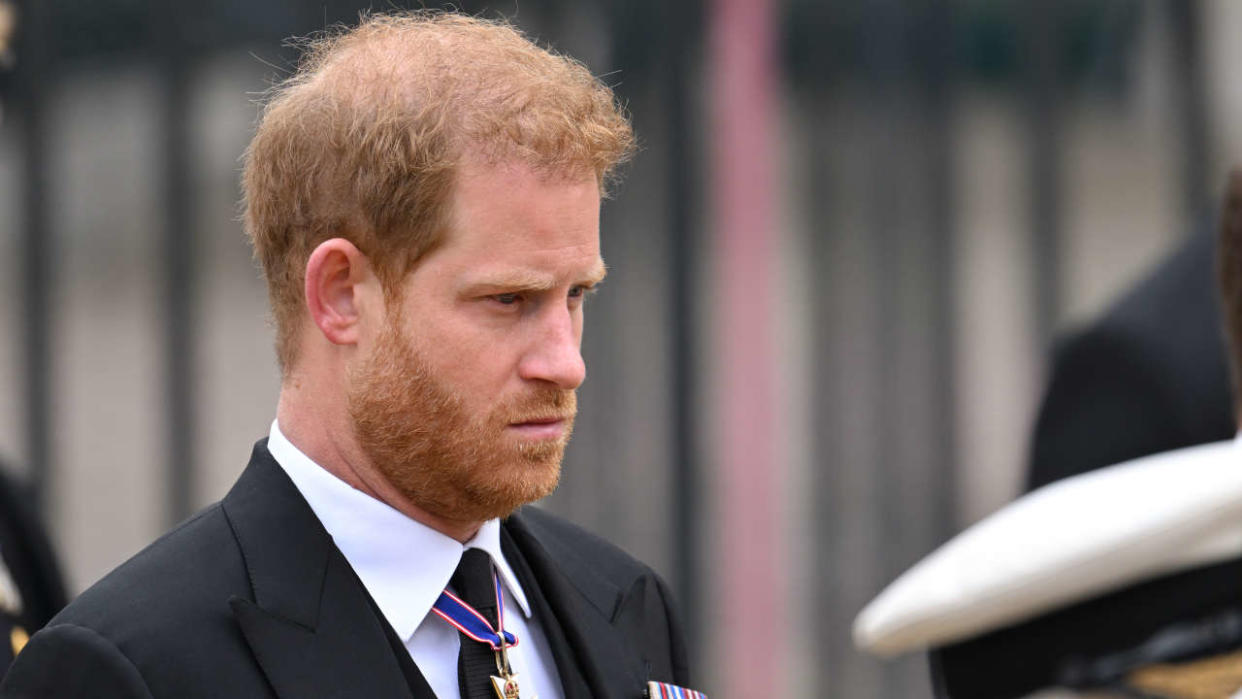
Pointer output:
250, 598
1148, 377
31, 566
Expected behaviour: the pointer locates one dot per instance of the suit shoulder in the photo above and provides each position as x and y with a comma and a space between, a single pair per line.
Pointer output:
1173, 313
185, 573
569, 542
73, 661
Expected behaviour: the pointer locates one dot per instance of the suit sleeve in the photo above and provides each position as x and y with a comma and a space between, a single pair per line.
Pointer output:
66, 661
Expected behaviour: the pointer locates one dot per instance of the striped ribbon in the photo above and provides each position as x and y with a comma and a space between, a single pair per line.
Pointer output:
663, 690
467, 620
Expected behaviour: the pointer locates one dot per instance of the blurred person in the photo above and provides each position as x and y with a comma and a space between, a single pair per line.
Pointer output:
32, 589
8, 52
1118, 582
423, 195
1147, 377
8, 34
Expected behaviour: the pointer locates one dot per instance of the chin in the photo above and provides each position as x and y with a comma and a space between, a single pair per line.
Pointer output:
528, 481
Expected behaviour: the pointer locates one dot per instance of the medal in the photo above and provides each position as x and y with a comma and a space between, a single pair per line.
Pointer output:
506, 685
506, 688
474, 625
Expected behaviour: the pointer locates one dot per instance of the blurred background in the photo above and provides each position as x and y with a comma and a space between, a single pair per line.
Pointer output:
838, 268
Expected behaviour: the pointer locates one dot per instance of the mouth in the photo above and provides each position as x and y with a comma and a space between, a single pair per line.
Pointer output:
540, 428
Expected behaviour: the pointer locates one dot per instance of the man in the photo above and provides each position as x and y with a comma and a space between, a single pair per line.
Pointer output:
1147, 377
8, 56
1122, 581
31, 587
423, 195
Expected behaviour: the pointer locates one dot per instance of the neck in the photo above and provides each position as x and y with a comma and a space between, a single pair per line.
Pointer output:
329, 441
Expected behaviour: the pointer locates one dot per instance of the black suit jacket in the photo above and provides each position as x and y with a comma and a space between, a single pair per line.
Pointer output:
250, 598
1148, 377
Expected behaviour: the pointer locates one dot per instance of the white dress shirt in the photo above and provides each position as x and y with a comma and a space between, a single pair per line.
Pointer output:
405, 565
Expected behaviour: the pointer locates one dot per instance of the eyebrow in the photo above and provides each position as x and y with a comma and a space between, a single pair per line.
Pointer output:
530, 280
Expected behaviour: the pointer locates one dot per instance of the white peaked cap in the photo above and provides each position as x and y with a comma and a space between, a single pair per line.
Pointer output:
1066, 542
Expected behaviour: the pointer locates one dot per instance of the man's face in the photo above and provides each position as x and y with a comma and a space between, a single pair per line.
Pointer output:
467, 400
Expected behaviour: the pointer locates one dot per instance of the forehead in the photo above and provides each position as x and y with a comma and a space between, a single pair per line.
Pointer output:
512, 212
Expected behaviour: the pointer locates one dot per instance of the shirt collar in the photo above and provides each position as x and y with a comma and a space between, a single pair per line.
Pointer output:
404, 564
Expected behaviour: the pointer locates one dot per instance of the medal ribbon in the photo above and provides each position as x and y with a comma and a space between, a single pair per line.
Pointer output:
469, 621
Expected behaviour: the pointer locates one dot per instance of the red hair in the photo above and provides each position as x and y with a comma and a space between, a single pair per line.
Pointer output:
363, 141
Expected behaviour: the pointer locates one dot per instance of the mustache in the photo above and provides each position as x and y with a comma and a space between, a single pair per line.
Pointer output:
542, 405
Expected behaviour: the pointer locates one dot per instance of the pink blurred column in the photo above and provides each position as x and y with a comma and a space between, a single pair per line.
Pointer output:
743, 195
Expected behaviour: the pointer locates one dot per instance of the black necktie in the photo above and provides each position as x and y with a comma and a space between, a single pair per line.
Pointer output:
476, 586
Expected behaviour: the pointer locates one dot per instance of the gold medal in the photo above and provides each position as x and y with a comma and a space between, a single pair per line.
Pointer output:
505, 683
506, 687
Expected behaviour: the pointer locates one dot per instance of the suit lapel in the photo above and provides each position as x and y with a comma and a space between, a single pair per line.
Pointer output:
573, 684
591, 656
305, 646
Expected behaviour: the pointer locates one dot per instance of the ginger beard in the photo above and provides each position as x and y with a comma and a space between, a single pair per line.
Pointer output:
420, 436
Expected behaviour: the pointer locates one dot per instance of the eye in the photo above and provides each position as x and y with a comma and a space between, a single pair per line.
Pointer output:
507, 299
580, 291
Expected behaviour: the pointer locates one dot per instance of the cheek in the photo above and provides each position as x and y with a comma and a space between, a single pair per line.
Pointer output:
473, 355
476, 368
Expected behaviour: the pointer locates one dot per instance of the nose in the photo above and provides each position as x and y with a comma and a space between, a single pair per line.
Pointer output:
555, 352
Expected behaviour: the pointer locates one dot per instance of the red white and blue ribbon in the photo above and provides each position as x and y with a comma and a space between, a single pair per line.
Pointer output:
467, 620
663, 690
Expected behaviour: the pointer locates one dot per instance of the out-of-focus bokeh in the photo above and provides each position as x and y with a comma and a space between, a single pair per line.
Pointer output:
837, 269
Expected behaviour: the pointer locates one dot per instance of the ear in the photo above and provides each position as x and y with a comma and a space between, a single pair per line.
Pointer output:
335, 274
